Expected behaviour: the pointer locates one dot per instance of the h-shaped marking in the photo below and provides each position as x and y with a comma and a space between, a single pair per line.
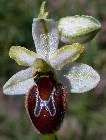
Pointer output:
47, 104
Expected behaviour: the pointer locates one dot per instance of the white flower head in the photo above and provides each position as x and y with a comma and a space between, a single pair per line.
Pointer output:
76, 77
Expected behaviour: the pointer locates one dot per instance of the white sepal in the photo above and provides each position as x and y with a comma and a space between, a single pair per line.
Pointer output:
78, 28
19, 83
45, 36
79, 77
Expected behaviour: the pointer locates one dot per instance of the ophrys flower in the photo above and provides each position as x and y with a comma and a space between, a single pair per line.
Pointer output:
51, 74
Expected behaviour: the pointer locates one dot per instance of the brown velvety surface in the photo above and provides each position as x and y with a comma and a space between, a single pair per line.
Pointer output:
46, 123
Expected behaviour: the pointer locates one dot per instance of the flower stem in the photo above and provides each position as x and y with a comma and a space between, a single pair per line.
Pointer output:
49, 137
43, 14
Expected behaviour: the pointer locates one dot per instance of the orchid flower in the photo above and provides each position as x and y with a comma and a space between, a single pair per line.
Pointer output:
50, 60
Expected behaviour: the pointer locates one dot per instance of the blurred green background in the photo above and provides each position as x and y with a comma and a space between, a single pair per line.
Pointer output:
86, 115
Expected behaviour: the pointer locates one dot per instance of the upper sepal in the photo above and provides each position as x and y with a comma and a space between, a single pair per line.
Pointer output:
45, 36
78, 28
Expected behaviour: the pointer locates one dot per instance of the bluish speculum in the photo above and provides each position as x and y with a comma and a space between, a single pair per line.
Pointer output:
49, 103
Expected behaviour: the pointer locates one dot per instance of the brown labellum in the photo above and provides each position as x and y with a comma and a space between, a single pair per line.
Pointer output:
46, 104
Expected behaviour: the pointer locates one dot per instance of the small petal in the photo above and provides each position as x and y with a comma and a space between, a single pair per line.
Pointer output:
19, 83
22, 55
78, 28
80, 77
65, 55
45, 36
